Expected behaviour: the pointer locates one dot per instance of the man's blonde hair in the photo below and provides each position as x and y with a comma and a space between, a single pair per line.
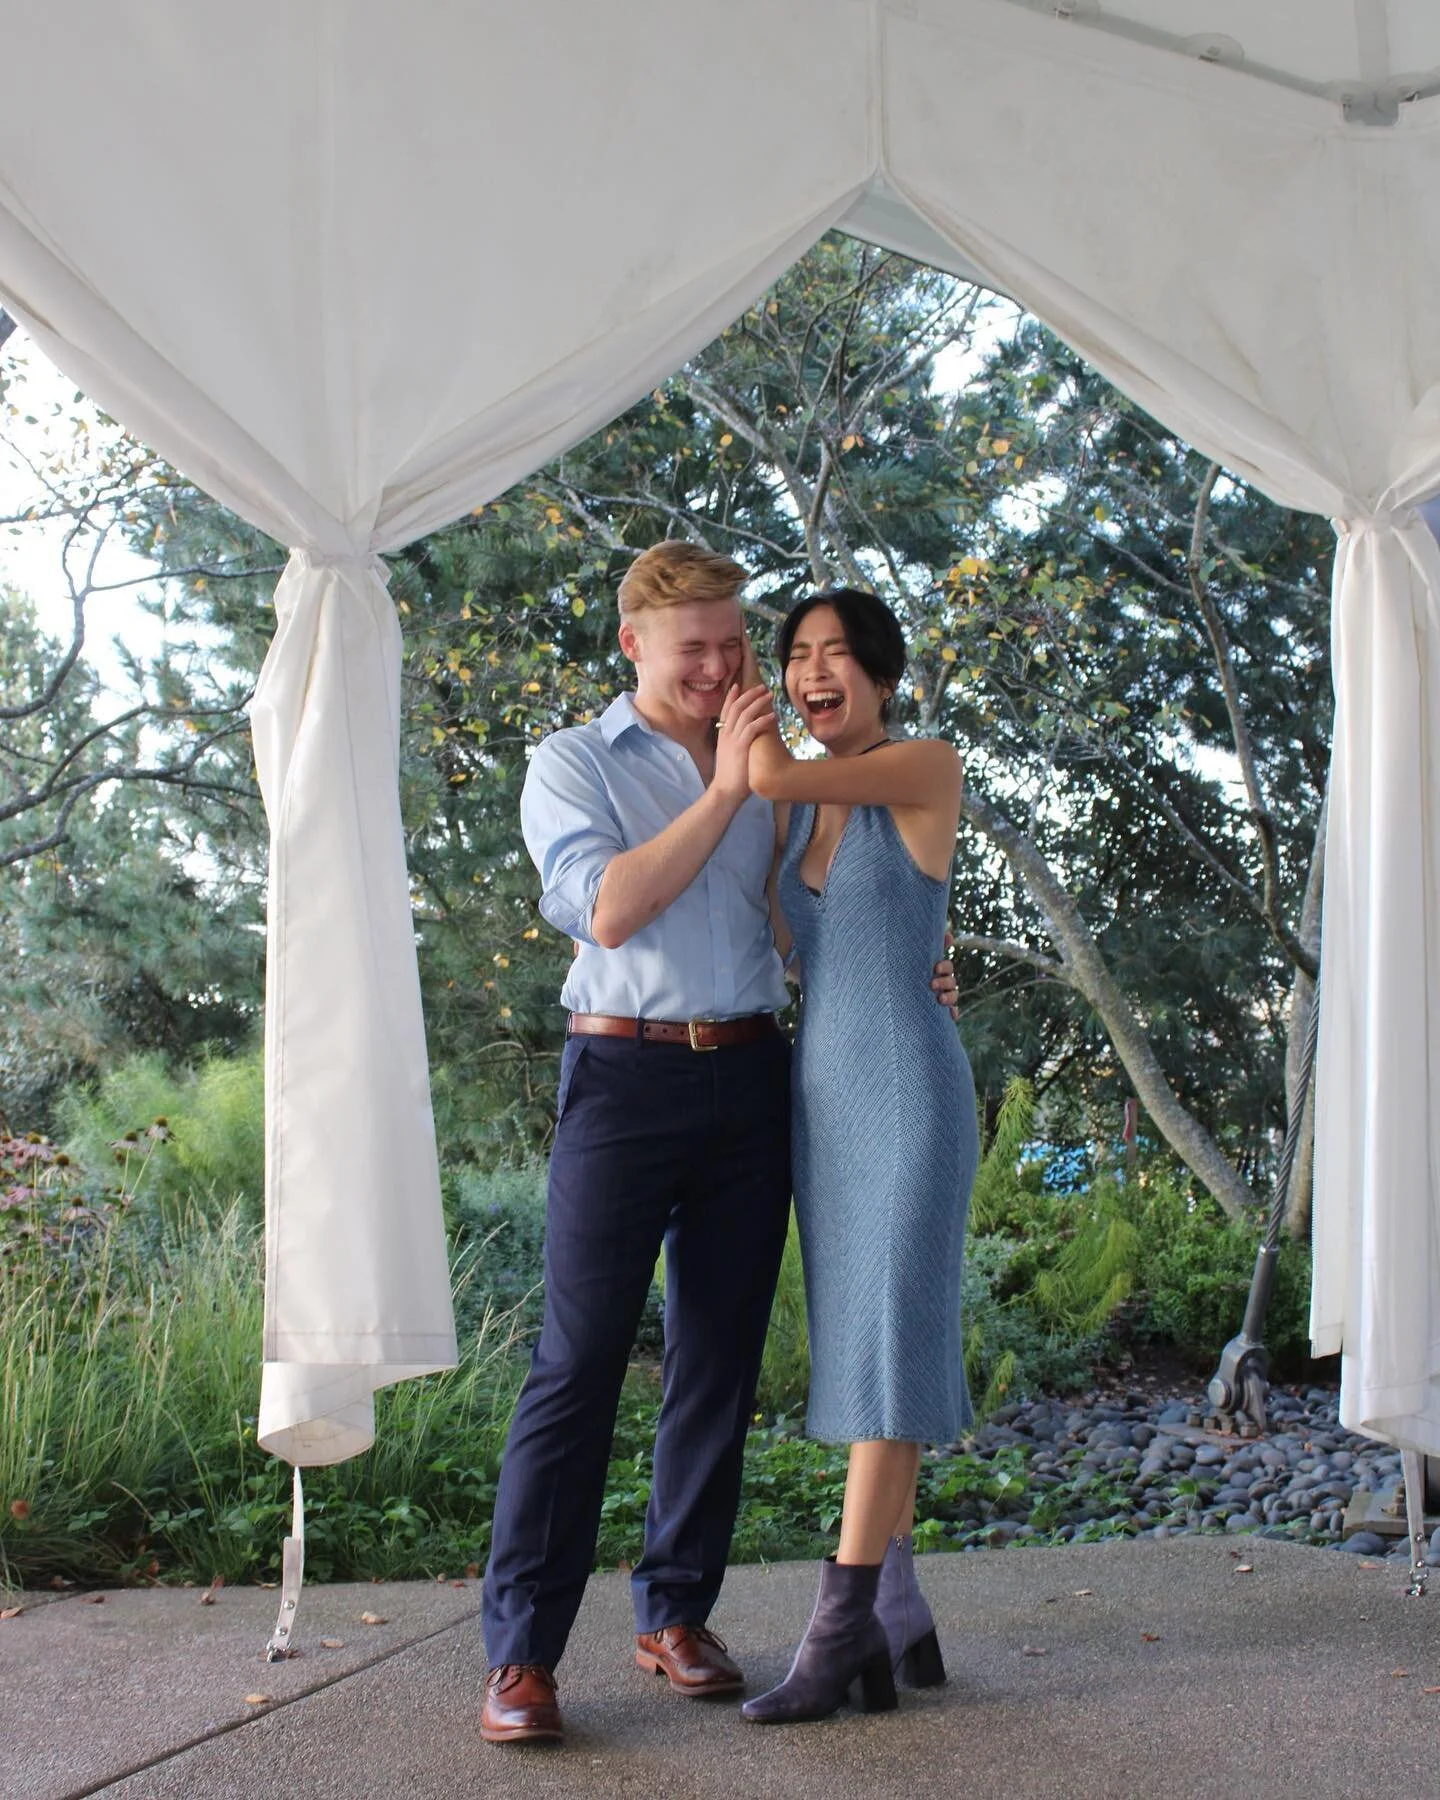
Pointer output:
672, 573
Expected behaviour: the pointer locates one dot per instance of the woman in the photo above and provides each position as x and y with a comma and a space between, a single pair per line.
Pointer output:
884, 1133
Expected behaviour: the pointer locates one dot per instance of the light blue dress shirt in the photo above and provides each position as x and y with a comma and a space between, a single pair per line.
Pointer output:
594, 790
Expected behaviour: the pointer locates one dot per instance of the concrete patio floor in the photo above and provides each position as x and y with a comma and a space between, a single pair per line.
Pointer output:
1107, 1671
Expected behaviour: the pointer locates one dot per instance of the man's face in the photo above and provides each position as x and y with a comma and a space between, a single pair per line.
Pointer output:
686, 657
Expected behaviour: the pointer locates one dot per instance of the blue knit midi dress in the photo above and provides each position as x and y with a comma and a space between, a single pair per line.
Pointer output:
884, 1140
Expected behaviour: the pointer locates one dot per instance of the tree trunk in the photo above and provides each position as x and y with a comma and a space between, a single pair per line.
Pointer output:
1083, 968
1299, 1199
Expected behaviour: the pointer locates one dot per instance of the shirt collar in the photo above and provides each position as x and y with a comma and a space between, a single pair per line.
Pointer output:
619, 716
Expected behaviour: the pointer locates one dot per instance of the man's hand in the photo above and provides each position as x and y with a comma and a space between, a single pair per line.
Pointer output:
943, 983
746, 714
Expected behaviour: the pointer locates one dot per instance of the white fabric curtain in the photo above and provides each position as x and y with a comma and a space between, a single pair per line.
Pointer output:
1261, 276
369, 270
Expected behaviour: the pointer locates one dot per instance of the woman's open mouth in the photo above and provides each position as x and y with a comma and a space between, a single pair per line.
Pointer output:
824, 700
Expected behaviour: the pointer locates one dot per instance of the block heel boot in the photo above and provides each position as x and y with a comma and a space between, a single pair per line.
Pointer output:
907, 1621
844, 1645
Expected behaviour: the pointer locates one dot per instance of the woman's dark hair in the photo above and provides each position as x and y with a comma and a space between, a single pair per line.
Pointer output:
871, 630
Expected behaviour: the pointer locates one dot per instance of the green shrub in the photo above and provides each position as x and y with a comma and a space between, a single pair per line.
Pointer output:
785, 1369
1010, 1352
215, 1114
1195, 1279
129, 1382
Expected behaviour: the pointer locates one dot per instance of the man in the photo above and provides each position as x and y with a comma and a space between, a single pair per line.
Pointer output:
673, 1123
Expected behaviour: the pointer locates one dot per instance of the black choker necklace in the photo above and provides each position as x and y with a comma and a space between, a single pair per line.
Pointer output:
879, 744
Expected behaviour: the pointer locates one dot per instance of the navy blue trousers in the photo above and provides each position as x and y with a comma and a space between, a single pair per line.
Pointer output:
655, 1144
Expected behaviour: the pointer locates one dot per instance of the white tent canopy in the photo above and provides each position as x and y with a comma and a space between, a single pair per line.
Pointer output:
356, 269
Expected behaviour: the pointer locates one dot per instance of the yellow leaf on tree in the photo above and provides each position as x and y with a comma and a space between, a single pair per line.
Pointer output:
577, 606
969, 565
531, 687
553, 514
948, 654
531, 934
726, 438
1000, 446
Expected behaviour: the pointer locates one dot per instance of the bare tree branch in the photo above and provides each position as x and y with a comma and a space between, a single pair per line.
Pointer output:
1021, 953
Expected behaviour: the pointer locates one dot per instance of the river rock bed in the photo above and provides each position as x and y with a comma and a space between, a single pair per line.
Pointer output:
1128, 1464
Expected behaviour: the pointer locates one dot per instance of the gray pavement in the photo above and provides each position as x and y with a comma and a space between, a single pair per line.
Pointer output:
1096, 1672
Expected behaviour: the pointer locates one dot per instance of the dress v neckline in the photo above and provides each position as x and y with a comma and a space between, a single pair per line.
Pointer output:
820, 892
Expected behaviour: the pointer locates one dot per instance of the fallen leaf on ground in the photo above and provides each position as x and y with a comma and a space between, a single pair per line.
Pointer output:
1430, 1690
1149, 1637
257, 1699
459, 1584
1369, 1565
1399, 1674
94, 1599
11, 1612
1034, 1650
332, 1643
369, 1618
1243, 1569
472, 1571
1080, 1593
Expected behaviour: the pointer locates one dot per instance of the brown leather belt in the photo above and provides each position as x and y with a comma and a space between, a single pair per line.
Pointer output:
695, 1034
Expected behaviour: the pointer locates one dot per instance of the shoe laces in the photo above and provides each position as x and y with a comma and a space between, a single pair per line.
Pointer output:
703, 1632
507, 1674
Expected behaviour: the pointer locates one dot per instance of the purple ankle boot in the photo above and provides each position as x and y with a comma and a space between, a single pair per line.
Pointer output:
909, 1625
843, 1644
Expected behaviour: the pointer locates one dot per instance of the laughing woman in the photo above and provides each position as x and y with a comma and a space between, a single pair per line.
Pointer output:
884, 1132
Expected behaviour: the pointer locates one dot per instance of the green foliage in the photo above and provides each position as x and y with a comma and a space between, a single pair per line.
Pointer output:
785, 1369
128, 1382
497, 1218
1010, 1351
215, 1118
1194, 1282
999, 1183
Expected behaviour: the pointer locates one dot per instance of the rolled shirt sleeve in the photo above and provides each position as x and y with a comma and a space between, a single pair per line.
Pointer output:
571, 831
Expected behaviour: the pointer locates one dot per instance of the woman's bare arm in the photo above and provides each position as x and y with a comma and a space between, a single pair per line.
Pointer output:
920, 773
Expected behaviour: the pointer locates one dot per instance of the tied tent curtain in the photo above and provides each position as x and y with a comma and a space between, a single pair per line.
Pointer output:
371, 269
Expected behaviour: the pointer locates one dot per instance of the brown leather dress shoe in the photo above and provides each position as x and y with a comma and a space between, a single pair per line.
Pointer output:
691, 1658
520, 1705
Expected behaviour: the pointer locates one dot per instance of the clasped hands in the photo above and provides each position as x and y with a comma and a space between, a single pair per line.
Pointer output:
748, 713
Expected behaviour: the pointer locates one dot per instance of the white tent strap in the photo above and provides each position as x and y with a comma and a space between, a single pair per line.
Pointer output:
292, 1576
1399, 518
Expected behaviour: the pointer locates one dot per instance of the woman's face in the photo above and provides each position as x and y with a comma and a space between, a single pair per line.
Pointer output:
837, 701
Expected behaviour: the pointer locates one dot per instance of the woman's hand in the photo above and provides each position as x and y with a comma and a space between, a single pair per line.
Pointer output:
748, 713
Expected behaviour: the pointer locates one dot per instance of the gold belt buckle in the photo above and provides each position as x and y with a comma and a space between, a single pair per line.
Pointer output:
695, 1044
